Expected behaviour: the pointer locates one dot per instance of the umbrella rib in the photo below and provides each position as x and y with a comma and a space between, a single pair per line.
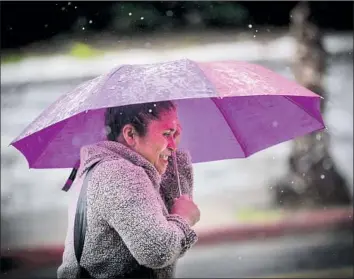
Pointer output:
305, 110
228, 123
41, 155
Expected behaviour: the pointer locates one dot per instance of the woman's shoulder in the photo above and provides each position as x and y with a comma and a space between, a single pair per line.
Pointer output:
117, 171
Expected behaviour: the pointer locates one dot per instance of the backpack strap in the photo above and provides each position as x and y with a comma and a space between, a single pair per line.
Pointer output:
81, 217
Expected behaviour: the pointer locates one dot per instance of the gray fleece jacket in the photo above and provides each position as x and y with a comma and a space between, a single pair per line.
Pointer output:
128, 219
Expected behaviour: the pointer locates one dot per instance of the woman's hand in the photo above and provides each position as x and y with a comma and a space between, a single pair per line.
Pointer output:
187, 209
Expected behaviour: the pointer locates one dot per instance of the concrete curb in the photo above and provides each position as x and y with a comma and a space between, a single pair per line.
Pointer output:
306, 222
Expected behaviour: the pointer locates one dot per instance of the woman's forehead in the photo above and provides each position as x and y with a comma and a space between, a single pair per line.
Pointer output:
167, 120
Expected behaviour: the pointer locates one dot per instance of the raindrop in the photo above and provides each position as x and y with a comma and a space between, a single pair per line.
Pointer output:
108, 130
147, 45
254, 36
142, 18
239, 257
63, 8
256, 31
275, 124
169, 13
268, 30
121, 113
45, 25
249, 25
69, 3
83, 28
282, 191
292, 182
303, 174
273, 158
154, 105
318, 136
322, 176
112, 88
271, 187
90, 21
75, 7
327, 164
150, 110
130, 14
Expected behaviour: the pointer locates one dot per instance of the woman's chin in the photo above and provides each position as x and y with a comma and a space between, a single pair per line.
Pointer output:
161, 169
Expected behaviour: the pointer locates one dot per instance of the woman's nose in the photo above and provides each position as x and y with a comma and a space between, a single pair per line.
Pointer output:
172, 144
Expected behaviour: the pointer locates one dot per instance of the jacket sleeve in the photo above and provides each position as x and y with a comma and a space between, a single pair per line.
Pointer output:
128, 201
169, 185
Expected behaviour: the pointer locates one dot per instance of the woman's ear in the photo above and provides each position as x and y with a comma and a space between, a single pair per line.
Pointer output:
129, 134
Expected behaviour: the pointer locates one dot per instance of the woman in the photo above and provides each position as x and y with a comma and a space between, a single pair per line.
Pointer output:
137, 226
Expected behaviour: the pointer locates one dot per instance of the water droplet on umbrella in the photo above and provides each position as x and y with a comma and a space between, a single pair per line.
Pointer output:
322, 176
76, 141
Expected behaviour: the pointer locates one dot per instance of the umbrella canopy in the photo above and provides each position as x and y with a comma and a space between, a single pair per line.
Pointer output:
227, 110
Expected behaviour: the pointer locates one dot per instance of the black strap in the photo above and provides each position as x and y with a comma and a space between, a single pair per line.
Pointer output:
80, 233
81, 219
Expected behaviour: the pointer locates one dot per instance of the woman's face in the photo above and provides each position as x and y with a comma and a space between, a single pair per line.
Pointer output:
160, 140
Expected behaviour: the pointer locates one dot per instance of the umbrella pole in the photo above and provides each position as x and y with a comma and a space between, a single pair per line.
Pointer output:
174, 158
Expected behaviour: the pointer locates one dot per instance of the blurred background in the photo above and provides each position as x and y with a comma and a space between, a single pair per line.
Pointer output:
284, 212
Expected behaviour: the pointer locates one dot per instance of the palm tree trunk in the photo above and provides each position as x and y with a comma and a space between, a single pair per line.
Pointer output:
313, 179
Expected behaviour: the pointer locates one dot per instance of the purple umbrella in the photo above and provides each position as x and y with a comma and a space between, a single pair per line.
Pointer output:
227, 110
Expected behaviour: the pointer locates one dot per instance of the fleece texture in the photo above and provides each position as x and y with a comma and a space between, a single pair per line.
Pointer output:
128, 214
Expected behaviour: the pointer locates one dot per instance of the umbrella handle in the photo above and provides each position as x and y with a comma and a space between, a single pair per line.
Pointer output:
174, 158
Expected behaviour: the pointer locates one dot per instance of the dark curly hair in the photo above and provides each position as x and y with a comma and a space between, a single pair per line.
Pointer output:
138, 115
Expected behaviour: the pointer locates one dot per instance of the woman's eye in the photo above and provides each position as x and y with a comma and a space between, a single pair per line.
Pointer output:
167, 134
